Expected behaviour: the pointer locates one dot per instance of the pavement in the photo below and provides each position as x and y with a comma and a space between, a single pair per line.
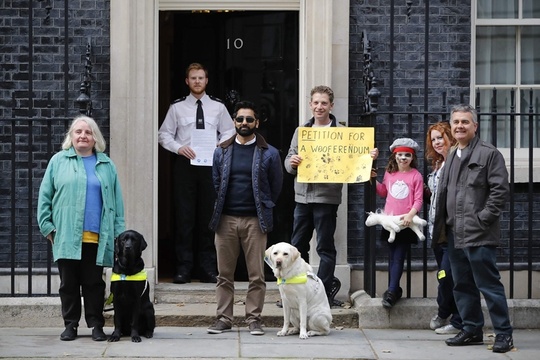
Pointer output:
196, 343
30, 329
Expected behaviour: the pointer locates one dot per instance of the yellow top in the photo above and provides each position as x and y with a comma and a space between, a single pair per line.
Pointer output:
90, 237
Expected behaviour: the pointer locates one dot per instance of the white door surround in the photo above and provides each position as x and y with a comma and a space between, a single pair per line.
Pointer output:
323, 59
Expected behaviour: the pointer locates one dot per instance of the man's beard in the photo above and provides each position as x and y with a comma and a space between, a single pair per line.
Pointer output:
245, 131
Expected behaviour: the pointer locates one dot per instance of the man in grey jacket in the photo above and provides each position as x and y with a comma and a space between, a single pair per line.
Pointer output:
473, 192
317, 203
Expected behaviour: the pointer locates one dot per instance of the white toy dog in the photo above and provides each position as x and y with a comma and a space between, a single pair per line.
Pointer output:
393, 224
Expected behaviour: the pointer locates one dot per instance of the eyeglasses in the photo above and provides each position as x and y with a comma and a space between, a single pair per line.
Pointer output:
249, 119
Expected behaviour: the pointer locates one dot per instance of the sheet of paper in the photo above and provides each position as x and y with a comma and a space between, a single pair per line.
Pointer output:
203, 142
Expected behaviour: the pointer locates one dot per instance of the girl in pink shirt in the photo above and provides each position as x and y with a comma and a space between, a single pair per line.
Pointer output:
402, 186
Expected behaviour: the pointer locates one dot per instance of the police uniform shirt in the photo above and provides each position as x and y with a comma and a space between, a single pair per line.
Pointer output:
180, 121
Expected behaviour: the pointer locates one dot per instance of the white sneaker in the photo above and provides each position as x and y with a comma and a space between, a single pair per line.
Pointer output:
447, 329
436, 322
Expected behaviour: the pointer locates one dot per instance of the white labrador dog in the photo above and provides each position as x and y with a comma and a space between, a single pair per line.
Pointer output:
305, 305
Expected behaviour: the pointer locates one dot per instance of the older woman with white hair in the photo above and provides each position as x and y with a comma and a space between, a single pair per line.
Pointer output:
81, 211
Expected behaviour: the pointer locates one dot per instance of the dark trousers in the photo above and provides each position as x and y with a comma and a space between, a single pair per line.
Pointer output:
194, 197
475, 270
322, 219
445, 290
85, 274
397, 251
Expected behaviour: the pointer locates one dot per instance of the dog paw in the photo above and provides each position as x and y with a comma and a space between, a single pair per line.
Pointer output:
390, 240
293, 331
281, 333
136, 339
149, 334
303, 335
115, 336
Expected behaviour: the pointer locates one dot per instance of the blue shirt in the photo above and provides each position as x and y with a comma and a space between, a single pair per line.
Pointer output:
94, 203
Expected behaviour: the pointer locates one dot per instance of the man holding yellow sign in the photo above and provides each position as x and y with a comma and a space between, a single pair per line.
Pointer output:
335, 154
322, 157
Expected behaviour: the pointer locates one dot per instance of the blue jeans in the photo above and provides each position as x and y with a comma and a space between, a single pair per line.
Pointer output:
445, 290
322, 219
475, 270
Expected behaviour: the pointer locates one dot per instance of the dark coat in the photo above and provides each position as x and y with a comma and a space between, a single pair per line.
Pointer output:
267, 180
484, 177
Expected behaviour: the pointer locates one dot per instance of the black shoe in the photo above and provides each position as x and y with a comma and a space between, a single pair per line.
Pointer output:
399, 293
503, 343
335, 303
466, 338
390, 298
69, 334
181, 279
336, 285
208, 277
98, 334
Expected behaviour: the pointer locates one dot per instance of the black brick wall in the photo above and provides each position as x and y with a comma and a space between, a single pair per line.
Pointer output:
448, 71
39, 84
42, 66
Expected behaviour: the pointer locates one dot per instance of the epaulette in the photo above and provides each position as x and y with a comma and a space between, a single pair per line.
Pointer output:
180, 99
216, 99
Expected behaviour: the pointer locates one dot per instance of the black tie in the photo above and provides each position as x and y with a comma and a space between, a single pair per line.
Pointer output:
200, 115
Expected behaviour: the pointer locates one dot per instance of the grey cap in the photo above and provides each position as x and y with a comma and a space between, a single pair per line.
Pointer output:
405, 142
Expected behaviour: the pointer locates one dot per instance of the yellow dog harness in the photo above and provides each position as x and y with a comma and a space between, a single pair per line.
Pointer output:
298, 279
140, 276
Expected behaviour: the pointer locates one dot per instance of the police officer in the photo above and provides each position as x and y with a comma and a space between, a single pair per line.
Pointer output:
193, 191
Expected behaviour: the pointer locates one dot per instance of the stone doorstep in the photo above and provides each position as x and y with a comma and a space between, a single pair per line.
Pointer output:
185, 305
45, 312
199, 293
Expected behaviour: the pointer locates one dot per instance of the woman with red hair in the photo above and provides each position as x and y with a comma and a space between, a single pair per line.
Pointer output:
439, 140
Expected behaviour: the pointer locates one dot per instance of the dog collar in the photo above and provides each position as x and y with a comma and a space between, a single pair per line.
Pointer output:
298, 279
140, 276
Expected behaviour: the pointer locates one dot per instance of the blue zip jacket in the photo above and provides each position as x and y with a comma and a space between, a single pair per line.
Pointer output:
62, 196
267, 180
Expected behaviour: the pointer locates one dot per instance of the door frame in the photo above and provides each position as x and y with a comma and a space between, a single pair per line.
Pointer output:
323, 59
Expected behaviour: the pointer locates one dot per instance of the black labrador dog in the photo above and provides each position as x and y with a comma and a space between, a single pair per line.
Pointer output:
133, 311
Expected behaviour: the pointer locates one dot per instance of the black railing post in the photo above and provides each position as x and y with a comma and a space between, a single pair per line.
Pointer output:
84, 101
512, 188
530, 197
371, 103
494, 118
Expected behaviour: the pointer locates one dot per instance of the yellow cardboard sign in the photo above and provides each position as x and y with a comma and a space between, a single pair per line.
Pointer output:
335, 154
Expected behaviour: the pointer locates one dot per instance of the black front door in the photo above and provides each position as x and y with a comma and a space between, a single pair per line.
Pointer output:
250, 55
